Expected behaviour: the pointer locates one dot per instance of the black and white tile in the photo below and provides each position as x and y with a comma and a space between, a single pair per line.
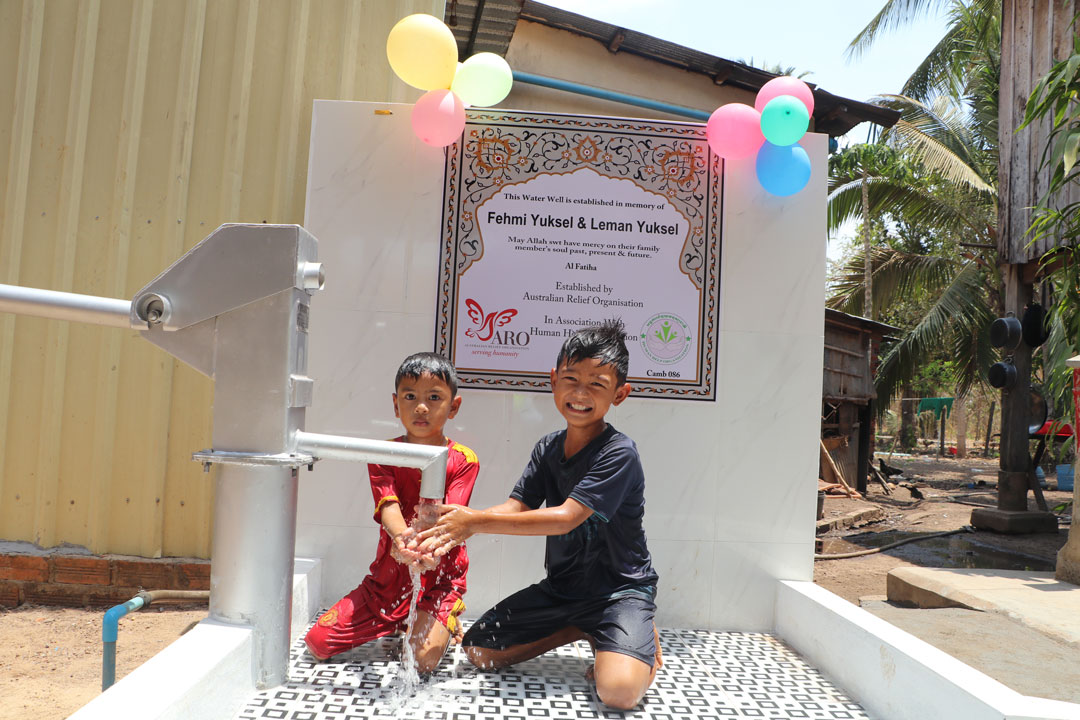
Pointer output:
707, 675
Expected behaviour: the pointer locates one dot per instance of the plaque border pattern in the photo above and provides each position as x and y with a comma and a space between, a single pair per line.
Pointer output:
499, 148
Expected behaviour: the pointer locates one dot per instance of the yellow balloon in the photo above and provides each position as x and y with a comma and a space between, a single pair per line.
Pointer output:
423, 52
483, 80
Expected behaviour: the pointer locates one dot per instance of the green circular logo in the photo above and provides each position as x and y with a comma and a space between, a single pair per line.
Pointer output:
665, 338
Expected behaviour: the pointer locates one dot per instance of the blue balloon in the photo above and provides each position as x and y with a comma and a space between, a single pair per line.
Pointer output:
783, 170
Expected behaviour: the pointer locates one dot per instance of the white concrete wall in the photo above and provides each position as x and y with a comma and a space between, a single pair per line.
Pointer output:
893, 674
731, 491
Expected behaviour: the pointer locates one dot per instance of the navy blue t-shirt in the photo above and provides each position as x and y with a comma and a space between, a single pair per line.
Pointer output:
607, 554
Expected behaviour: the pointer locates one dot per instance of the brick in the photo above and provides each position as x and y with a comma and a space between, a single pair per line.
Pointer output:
80, 570
146, 574
193, 576
31, 568
75, 595
10, 593
53, 594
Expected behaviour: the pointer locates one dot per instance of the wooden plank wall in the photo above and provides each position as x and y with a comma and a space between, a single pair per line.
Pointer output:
1034, 33
847, 364
129, 130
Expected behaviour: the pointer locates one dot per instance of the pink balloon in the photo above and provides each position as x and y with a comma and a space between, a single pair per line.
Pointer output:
785, 85
734, 131
438, 117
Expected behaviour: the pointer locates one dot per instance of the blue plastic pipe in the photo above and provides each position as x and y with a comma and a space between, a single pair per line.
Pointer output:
109, 629
604, 94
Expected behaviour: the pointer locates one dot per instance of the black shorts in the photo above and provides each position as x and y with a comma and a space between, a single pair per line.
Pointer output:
622, 624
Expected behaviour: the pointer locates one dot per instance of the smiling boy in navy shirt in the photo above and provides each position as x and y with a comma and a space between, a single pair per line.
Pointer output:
600, 584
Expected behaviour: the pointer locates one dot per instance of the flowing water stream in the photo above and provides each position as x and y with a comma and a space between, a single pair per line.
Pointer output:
426, 514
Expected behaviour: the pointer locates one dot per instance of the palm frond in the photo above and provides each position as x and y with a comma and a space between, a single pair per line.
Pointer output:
971, 42
894, 275
1058, 382
938, 73
937, 137
961, 310
972, 353
947, 212
895, 14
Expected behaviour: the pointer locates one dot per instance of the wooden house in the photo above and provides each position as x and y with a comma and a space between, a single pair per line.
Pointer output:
847, 393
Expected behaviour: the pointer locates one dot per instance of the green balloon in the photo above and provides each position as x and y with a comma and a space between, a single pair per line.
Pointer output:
483, 80
784, 120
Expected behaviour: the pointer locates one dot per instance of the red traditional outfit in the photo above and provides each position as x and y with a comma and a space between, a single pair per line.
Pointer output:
379, 605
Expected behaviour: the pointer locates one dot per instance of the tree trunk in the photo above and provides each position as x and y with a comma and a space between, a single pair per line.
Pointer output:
868, 296
960, 409
908, 432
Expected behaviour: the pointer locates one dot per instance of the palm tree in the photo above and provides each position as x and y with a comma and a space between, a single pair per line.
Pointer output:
927, 172
935, 169
974, 32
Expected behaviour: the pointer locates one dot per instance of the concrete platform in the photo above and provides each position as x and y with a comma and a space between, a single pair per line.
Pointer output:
1014, 522
1034, 599
823, 659
854, 519
708, 675
1015, 655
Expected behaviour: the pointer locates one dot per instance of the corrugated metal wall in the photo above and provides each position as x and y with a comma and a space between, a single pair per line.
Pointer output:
129, 129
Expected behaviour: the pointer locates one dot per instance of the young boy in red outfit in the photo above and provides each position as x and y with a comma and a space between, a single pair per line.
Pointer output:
425, 398
600, 583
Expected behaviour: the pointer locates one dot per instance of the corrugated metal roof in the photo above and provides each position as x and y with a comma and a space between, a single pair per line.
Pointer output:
482, 25
866, 323
488, 25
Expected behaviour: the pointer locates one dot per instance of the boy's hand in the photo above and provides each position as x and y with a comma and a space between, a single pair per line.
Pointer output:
452, 530
427, 513
400, 551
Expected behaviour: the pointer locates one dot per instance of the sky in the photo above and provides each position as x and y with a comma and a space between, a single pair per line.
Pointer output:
810, 36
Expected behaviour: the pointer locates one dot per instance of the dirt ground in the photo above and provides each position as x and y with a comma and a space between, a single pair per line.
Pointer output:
950, 490
50, 658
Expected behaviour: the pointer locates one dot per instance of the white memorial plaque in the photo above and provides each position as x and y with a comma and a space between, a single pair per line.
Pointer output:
554, 222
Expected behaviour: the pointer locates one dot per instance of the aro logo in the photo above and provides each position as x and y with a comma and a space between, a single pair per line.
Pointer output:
488, 324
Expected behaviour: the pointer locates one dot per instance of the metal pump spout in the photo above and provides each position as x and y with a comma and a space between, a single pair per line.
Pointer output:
430, 459
236, 307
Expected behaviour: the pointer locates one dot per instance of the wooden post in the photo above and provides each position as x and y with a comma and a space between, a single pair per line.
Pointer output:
1015, 461
941, 434
989, 428
960, 405
863, 452
830, 468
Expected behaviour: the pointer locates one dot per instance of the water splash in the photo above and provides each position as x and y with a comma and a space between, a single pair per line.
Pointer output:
459, 664
426, 516
410, 677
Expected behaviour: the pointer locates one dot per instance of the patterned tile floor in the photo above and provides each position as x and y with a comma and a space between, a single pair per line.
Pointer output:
706, 674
